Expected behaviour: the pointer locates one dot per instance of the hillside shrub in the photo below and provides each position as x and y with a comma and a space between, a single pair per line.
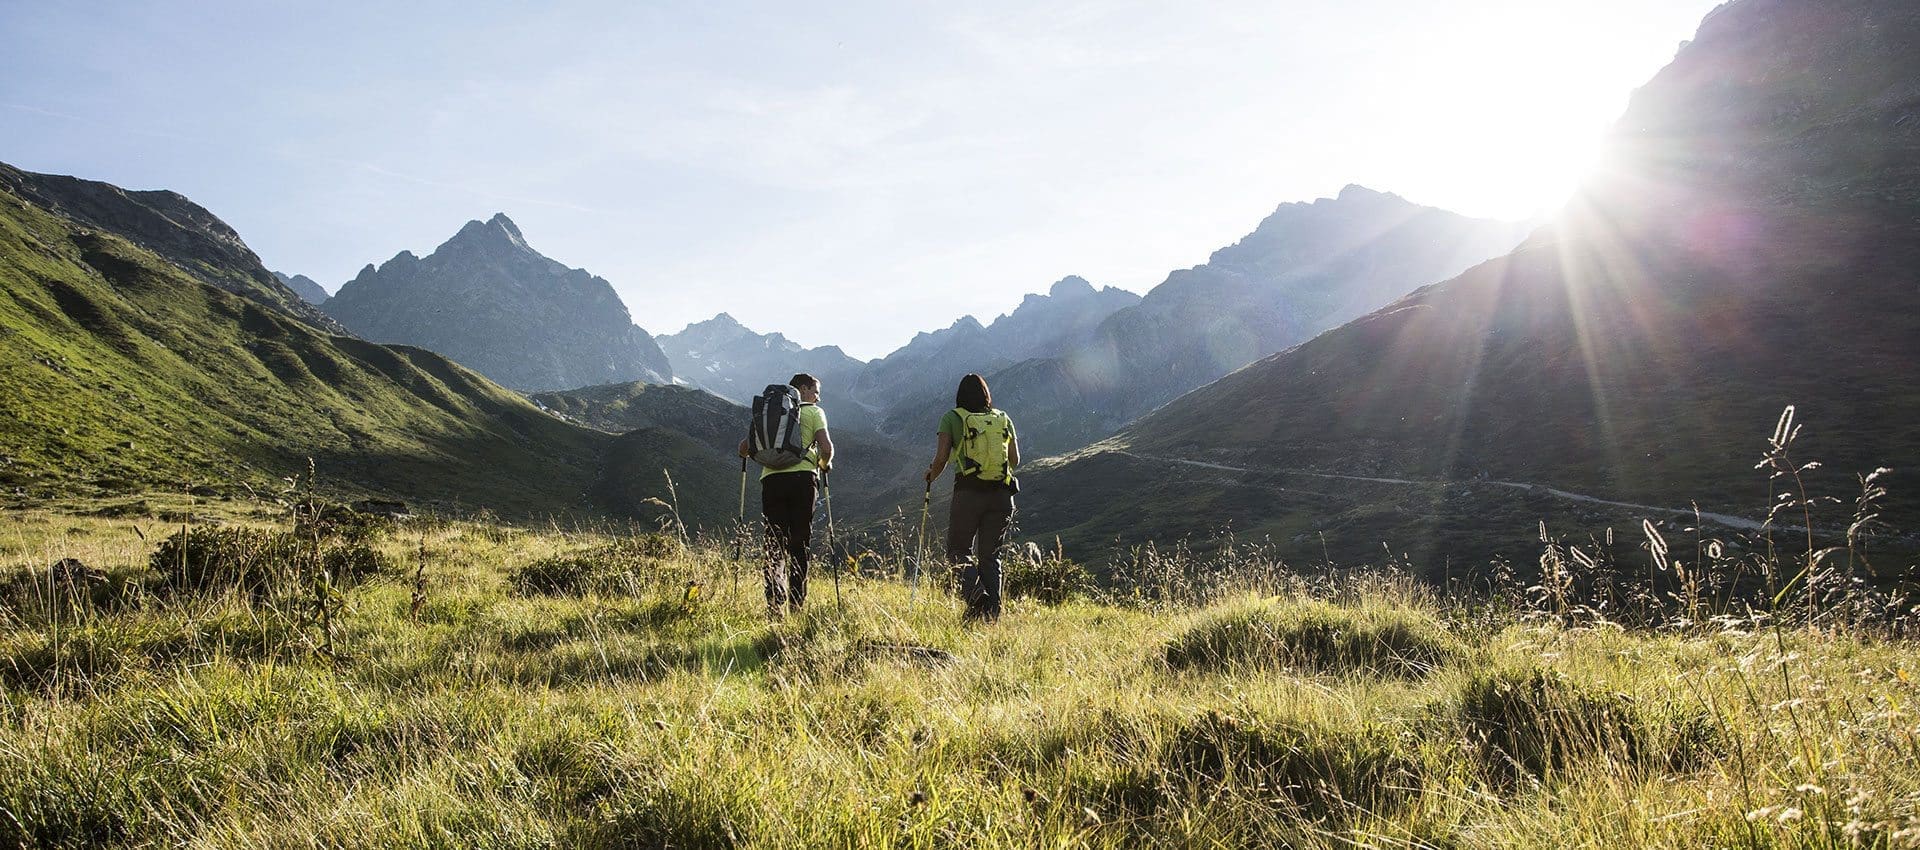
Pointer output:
66, 588
1049, 580
650, 546
340, 523
626, 565
256, 561
209, 558
573, 574
1314, 636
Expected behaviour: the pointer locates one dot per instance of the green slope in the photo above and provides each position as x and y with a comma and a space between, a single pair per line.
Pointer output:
1754, 243
691, 435
666, 434
124, 372
618, 408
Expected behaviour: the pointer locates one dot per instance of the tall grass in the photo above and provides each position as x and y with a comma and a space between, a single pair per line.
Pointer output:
492, 686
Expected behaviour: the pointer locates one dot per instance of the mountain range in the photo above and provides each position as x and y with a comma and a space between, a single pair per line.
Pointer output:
1753, 243
1306, 267
930, 364
144, 347
1356, 370
726, 358
490, 301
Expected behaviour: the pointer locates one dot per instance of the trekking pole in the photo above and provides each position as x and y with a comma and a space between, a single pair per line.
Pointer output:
740, 527
826, 490
920, 547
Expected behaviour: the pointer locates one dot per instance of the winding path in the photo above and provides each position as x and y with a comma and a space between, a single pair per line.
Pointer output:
1728, 520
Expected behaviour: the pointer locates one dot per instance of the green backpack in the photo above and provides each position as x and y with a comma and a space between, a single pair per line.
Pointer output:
983, 446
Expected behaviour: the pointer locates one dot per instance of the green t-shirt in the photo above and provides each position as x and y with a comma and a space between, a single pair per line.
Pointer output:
813, 420
956, 430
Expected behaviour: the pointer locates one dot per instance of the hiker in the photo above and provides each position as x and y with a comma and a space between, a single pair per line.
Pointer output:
789, 439
983, 486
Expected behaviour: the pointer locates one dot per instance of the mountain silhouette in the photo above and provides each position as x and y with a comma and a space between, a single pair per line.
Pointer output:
490, 301
1750, 244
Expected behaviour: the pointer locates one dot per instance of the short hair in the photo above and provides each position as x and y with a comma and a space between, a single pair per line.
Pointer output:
804, 381
973, 394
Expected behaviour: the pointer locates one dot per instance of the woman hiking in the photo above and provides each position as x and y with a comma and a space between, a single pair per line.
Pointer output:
985, 451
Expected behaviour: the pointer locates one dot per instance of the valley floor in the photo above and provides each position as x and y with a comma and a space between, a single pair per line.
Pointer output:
452, 684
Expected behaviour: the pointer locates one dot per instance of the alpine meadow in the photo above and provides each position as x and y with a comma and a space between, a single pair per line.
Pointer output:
1393, 523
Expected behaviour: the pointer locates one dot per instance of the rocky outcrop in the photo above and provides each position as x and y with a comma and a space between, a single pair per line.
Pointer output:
307, 288
490, 301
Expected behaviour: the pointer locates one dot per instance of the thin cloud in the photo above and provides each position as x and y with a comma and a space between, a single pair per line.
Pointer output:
463, 188
95, 122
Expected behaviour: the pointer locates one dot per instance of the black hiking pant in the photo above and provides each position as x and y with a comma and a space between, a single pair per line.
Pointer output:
976, 529
786, 499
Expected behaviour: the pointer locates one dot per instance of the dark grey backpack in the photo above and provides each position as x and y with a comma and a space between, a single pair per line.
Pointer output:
774, 435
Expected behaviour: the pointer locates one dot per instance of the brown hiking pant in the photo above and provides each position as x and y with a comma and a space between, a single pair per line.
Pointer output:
976, 529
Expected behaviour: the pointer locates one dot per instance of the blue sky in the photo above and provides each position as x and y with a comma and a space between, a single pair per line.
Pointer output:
847, 175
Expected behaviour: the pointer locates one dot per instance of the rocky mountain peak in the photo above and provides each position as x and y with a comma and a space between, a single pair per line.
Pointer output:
307, 288
730, 360
722, 322
709, 335
495, 233
489, 300
1070, 286
1356, 192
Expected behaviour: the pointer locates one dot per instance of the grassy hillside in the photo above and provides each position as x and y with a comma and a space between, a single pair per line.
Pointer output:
691, 435
1749, 246
122, 372
170, 226
619, 408
487, 687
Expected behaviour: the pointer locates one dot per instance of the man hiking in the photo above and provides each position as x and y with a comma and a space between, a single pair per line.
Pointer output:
986, 450
789, 440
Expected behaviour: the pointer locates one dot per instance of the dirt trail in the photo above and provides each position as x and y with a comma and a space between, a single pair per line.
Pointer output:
1728, 520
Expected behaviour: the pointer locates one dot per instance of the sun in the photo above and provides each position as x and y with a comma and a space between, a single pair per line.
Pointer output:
1511, 125
1521, 163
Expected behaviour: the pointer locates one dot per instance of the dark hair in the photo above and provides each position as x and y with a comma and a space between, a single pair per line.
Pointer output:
973, 394
804, 381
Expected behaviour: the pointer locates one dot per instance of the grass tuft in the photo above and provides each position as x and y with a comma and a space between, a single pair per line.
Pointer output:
1313, 636
1540, 723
